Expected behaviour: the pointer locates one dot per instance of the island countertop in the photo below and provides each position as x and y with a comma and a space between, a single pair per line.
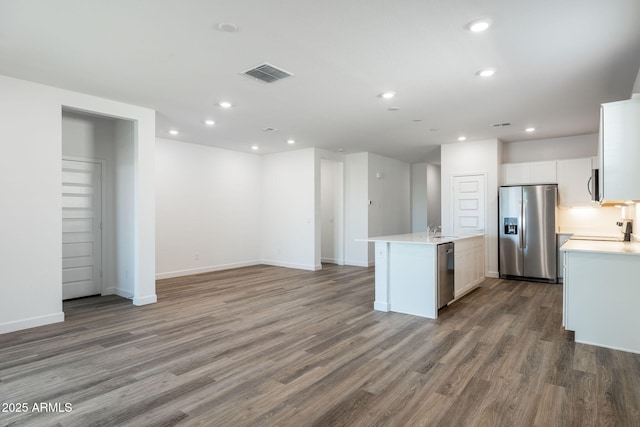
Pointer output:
623, 248
421, 238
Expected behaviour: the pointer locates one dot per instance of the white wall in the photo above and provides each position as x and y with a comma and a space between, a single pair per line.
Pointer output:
377, 202
425, 196
389, 193
356, 176
434, 195
208, 204
570, 147
125, 204
588, 220
31, 229
289, 205
419, 220
474, 157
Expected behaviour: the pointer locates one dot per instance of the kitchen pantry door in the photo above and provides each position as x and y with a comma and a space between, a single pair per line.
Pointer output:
81, 229
468, 204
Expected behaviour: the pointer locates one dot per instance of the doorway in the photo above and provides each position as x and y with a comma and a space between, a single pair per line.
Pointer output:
91, 141
332, 211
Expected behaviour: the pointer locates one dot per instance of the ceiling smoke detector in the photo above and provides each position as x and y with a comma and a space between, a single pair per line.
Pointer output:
270, 129
267, 73
227, 27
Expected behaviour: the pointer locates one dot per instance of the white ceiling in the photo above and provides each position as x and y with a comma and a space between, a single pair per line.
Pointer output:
556, 61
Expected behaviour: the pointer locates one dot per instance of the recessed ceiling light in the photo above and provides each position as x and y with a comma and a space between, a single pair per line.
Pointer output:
291, 141
462, 138
173, 132
478, 25
387, 95
225, 104
530, 129
209, 122
487, 72
254, 147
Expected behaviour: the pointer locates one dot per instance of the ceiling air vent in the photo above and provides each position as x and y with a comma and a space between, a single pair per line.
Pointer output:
498, 125
267, 73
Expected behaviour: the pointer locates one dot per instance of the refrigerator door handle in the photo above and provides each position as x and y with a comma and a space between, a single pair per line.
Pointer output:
523, 226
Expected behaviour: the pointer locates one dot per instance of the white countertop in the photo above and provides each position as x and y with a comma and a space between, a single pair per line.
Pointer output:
418, 238
626, 248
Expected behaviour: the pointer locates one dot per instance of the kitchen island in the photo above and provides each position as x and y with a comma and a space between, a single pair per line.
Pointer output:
406, 271
601, 293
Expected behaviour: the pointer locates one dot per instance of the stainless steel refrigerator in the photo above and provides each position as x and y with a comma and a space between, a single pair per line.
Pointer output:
528, 232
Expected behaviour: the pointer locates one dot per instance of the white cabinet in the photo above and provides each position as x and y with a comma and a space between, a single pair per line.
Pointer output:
600, 299
619, 150
573, 182
468, 264
516, 173
529, 173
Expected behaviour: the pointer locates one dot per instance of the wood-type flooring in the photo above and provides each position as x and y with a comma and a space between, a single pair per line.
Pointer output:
267, 346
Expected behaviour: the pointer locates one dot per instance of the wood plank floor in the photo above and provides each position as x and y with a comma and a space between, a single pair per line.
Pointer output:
272, 346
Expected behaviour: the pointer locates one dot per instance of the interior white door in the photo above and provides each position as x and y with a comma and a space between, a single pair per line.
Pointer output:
81, 229
468, 204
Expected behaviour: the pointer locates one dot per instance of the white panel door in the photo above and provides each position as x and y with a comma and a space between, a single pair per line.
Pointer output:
81, 229
468, 204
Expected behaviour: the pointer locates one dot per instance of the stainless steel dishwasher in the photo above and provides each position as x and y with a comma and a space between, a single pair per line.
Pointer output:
445, 274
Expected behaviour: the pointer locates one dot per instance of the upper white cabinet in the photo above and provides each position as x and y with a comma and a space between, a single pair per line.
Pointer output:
529, 173
573, 182
619, 150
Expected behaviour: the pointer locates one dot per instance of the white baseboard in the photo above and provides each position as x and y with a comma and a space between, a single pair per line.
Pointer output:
147, 299
628, 350
209, 269
493, 274
123, 293
32, 322
359, 263
292, 265
381, 306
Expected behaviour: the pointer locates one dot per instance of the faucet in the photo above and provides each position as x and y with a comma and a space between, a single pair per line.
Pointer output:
433, 230
626, 228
